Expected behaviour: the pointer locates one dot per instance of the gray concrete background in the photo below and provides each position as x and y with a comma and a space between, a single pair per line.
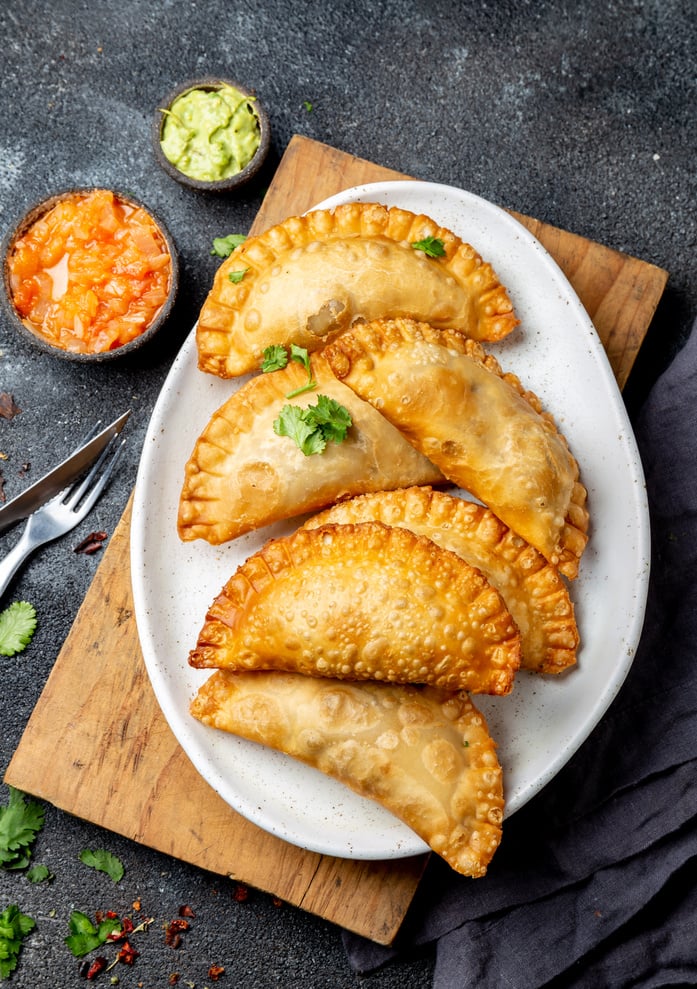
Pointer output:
580, 114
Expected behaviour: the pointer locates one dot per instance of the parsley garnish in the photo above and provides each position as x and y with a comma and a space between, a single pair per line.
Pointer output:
308, 106
17, 626
85, 937
104, 862
237, 276
20, 822
313, 427
14, 927
224, 246
433, 247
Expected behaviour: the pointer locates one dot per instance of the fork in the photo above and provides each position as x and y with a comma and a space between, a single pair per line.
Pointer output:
62, 513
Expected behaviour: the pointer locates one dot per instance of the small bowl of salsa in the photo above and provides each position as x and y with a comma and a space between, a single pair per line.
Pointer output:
89, 275
212, 135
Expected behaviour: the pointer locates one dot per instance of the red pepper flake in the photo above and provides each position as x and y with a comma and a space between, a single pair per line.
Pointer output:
277, 902
173, 932
8, 407
215, 971
186, 911
97, 966
136, 905
92, 543
127, 954
240, 893
173, 979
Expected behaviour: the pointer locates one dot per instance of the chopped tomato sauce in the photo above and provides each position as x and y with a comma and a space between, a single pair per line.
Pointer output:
91, 274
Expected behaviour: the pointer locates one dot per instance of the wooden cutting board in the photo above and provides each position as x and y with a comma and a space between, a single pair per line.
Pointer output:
97, 745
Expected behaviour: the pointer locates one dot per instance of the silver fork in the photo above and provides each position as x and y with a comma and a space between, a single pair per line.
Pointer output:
62, 513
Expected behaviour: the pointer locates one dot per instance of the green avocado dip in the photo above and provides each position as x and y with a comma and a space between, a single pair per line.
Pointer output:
210, 134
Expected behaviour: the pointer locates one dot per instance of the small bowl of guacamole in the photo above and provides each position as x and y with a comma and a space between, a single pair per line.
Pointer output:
211, 134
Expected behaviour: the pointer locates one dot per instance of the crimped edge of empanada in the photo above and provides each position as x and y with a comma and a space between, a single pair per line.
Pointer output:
533, 590
425, 755
440, 622
218, 319
353, 348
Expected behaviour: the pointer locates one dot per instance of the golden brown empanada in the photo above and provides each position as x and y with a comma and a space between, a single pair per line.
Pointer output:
424, 754
531, 588
242, 476
311, 276
485, 432
362, 602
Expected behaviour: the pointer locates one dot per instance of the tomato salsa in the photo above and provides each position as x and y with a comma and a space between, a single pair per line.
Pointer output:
90, 274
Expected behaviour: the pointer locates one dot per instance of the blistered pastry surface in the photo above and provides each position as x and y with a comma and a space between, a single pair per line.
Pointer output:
367, 602
424, 754
312, 276
475, 422
532, 588
241, 475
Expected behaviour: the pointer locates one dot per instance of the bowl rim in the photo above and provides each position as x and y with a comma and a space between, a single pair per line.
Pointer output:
29, 217
210, 83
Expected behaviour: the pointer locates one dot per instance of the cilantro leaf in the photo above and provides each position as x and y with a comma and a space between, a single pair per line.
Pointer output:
14, 927
308, 106
292, 422
39, 874
20, 822
85, 937
301, 356
224, 246
17, 626
313, 427
274, 359
332, 417
433, 247
236, 276
103, 861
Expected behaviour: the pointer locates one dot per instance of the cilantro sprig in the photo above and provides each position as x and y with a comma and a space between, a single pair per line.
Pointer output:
433, 247
313, 427
275, 358
85, 936
17, 626
236, 276
14, 927
20, 822
224, 246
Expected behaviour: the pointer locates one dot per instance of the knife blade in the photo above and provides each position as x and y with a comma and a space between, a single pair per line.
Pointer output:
55, 480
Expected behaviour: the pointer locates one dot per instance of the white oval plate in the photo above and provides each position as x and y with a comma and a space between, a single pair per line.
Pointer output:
557, 353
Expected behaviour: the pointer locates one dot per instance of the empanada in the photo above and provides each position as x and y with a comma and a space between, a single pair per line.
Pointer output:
531, 588
424, 754
476, 423
241, 475
311, 276
362, 602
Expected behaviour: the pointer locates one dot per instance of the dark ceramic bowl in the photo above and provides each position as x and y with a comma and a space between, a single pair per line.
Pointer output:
20, 228
234, 182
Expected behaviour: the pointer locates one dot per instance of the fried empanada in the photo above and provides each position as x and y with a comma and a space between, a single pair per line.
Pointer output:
531, 588
476, 423
311, 276
362, 602
424, 754
242, 476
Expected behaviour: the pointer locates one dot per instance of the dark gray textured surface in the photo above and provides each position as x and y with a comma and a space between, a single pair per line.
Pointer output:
583, 118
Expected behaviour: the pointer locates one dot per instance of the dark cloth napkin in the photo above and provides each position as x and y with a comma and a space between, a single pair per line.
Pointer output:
595, 882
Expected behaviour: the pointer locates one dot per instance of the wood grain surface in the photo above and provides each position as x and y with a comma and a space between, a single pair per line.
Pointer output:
90, 750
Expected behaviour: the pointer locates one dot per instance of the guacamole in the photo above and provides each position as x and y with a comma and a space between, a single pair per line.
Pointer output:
211, 134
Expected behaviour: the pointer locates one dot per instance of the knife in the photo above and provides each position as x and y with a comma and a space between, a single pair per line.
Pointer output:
53, 482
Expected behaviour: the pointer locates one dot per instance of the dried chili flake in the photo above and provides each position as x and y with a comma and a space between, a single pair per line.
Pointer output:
127, 954
173, 979
173, 931
215, 971
97, 966
277, 902
8, 407
92, 543
186, 911
240, 893
136, 905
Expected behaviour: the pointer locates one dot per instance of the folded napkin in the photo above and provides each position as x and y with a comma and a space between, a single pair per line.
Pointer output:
595, 882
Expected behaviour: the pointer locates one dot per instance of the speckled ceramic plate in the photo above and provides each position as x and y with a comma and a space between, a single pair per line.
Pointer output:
557, 353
